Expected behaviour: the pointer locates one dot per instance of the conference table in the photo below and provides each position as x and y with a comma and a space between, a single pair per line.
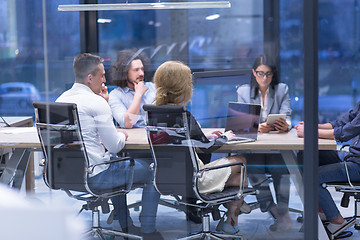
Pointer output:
137, 140
26, 137
18, 121
26, 157
284, 143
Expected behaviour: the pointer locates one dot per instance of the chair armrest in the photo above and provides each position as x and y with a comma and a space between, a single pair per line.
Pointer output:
218, 167
201, 172
350, 155
242, 178
346, 167
120, 159
132, 162
342, 148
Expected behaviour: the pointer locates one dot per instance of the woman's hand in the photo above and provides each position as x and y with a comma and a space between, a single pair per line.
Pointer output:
214, 134
265, 128
229, 134
281, 125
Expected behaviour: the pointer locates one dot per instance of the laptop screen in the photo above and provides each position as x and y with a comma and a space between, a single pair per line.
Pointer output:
243, 119
212, 92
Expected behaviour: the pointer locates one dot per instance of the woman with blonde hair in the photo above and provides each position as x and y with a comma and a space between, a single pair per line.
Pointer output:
173, 82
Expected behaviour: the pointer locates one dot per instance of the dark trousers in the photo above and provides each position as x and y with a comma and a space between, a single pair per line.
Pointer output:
258, 166
325, 157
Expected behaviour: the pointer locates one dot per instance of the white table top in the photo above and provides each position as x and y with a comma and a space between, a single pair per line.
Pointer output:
26, 137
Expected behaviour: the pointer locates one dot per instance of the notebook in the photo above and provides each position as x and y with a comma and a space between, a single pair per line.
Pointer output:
243, 119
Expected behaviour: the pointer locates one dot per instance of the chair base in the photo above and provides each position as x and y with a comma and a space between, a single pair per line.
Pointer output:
162, 201
206, 234
101, 232
212, 235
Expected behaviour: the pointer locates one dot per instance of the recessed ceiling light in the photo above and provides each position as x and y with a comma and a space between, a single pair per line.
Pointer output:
144, 6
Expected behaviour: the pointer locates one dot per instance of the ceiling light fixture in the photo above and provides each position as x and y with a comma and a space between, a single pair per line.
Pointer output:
144, 6
212, 17
103, 20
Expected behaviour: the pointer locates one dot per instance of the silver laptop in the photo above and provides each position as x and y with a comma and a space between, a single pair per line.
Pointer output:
243, 119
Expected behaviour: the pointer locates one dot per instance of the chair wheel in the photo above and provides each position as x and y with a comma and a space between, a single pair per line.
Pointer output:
357, 227
300, 219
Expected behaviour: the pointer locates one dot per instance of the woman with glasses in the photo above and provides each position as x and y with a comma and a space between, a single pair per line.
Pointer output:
273, 96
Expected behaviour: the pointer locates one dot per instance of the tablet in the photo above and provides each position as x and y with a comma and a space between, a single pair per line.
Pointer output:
272, 118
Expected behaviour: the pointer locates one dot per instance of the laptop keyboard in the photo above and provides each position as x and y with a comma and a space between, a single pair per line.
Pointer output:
239, 140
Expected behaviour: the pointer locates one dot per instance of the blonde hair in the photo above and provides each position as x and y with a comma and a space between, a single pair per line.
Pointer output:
173, 83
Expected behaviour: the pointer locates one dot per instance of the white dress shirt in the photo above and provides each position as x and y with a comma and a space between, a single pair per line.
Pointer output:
96, 123
264, 106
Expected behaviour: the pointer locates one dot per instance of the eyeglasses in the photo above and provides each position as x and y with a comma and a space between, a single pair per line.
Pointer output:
263, 74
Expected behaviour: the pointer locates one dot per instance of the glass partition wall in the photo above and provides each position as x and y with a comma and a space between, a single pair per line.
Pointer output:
22, 53
205, 39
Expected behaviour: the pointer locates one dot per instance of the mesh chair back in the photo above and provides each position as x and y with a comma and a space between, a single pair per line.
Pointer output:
173, 134
172, 150
59, 132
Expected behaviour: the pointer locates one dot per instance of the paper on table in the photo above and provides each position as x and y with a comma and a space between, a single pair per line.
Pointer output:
274, 132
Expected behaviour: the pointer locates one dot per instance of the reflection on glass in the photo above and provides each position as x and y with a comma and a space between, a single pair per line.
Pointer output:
198, 36
22, 52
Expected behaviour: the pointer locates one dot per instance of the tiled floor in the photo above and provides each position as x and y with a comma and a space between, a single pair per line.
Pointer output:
172, 224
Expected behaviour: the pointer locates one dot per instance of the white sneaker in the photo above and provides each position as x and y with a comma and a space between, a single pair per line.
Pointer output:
332, 227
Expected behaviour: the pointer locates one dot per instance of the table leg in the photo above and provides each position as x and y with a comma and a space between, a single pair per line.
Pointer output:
29, 176
295, 174
322, 235
15, 168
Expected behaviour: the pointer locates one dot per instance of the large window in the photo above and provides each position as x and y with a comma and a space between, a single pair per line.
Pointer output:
338, 56
216, 40
203, 38
206, 39
22, 52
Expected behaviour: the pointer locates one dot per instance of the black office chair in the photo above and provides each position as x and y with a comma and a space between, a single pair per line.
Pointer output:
67, 165
176, 166
349, 189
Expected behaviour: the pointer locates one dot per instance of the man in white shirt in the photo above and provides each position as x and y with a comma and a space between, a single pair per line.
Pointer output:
102, 138
126, 101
